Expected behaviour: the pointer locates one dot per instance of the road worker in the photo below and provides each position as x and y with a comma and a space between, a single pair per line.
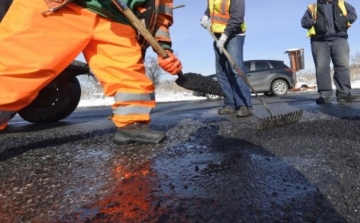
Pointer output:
327, 22
40, 38
226, 20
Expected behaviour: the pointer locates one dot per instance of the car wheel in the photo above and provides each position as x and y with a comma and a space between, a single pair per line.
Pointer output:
212, 97
54, 102
279, 88
269, 94
74, 99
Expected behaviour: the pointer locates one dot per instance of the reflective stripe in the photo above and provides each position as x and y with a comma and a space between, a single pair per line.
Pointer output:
220, 15
5, 116
165, 10
120, 97
162, 33
342, 7
220, 19
224, 6
132, 110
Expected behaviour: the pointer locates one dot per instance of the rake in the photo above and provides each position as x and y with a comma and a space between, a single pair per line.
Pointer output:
190, 81
272, 120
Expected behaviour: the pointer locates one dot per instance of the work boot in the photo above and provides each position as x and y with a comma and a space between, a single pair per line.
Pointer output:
344, 98
138, 132
226, 110
322, 100
243, 111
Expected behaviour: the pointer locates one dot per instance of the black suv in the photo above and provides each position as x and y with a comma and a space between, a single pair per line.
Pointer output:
271, 77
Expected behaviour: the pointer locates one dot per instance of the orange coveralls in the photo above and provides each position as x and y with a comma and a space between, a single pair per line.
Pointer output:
36, 48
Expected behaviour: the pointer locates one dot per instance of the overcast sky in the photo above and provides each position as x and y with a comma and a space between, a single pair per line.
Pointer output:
273, 27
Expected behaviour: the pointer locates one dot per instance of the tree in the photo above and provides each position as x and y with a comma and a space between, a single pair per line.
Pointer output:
355, 61
153, 70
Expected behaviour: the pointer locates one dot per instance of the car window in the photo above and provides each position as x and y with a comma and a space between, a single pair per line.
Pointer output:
247, 66
277, 64
261, 65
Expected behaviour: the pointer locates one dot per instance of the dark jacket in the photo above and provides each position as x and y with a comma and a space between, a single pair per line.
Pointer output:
330, 23
237, 14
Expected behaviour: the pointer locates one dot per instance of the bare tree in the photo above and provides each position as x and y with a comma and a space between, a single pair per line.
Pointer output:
355, 66
153, 70
355, 61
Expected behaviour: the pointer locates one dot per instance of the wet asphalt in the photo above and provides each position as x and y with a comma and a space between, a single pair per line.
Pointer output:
211, 168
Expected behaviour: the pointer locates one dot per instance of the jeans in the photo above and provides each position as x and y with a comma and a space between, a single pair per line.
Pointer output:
236, 92
338, 52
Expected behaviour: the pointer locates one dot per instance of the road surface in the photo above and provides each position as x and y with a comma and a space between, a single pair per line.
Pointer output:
211, 168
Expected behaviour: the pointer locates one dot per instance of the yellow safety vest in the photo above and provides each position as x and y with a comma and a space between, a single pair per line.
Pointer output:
313, 9
219, 13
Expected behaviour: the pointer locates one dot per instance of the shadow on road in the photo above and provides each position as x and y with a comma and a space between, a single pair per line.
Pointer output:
213, 177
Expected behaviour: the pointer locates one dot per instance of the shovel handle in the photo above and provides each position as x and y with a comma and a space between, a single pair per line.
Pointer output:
124, 9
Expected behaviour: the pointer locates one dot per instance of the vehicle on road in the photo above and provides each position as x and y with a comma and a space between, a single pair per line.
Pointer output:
271, 77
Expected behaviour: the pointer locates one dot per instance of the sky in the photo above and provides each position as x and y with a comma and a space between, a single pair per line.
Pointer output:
273, 26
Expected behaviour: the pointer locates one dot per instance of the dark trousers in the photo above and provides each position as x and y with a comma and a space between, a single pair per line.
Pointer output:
338, 52
236, 92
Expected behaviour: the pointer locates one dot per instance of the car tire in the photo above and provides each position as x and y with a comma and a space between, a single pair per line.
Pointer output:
74, 99
212, 97
269, 94
279, 87
54, 102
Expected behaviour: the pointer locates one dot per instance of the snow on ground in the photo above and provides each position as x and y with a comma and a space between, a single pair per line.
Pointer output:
165, 96
160, 96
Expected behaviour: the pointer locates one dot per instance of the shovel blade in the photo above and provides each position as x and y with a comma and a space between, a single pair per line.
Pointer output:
279, 120
197, 82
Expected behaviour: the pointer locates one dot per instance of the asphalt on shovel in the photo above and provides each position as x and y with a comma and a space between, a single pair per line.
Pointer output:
190, 81
272, 120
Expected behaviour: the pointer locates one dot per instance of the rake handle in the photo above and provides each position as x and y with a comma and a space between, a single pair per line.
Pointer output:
240, 73
124, 9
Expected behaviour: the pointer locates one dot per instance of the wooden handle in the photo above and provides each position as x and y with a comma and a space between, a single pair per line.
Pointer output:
179, 6
140, 27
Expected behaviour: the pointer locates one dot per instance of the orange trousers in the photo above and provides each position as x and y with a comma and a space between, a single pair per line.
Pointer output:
35, 48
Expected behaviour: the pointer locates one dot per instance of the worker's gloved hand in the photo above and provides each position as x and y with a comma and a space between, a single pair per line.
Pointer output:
221, 42
171, 64
204, 21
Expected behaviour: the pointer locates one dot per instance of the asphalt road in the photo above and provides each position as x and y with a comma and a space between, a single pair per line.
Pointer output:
211, 168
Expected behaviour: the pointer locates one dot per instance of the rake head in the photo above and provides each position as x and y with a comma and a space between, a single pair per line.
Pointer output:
279, 120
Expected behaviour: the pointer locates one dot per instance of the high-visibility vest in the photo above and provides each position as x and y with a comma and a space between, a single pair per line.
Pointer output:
313, 10
220, 15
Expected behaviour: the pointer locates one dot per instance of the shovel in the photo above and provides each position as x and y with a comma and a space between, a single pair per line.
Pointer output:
272, 120
190, 81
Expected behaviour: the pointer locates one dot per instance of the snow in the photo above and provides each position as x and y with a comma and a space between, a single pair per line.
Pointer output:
160, 96
169, 96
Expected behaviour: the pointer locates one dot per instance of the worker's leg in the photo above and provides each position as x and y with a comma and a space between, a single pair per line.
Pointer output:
121, 72
242, 94
224, 81
114, 56
340, 53
321, 55
36, 48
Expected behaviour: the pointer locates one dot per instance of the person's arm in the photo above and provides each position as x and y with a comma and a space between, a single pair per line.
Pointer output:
307, 21
351, 13
237, 14
207, 11
163, 23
